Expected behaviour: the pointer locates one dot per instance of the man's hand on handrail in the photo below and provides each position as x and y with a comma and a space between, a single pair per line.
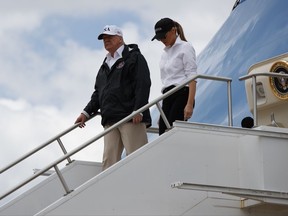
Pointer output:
81, 120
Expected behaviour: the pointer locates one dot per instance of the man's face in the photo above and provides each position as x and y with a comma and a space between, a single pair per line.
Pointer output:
112, 42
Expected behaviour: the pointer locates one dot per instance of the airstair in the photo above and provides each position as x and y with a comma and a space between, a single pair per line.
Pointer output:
193, 169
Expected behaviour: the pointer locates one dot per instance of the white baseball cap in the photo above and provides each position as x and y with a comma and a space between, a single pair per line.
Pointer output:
110, 30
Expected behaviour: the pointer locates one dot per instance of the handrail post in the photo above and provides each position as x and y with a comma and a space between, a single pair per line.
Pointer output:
62, 180
163, 115
229, 92
254, 101
63, 149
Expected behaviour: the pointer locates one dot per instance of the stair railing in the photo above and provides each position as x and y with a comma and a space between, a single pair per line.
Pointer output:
47, 143
254, 91
67, 155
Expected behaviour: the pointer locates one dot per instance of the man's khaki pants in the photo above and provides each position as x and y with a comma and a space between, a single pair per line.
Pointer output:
129, 136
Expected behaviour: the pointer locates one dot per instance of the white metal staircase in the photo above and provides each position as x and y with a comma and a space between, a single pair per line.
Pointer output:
236, 159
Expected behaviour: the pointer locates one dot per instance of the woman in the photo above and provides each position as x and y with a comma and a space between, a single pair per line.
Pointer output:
177, 64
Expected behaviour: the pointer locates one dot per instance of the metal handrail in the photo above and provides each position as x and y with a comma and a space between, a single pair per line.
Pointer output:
107, 130
253, 76
35, 150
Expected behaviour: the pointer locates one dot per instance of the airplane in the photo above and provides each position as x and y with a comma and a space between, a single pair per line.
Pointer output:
251, 34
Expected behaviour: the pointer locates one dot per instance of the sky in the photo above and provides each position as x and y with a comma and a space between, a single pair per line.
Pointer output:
50, 55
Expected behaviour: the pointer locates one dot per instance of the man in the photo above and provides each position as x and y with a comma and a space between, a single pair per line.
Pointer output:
122, 86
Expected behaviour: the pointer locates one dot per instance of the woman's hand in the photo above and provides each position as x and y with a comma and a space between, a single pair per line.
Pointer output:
188, 111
